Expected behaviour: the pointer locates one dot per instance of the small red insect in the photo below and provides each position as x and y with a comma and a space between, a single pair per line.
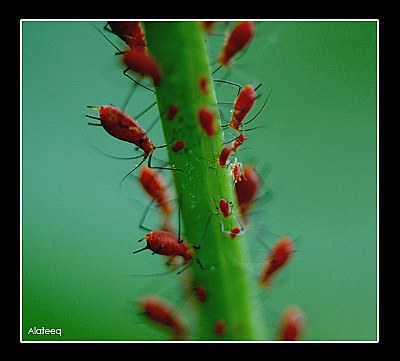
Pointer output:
240, 36
123, 127
237, 172
206, 119
247, 189
242, 105
238, 142
280, 255
292, 324
179, 145
161, 312
144, 64
167, 244
201, 293
204, 85
172, 112
232, 232
235, 231
223, 157
225, 207
220, 327
156, 187
131, 32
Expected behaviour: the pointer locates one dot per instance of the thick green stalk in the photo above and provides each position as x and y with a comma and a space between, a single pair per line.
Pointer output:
179, 47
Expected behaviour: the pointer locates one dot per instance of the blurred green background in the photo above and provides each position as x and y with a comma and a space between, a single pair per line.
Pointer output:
317, 153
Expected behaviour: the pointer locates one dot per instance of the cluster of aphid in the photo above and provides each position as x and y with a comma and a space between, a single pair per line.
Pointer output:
246, 179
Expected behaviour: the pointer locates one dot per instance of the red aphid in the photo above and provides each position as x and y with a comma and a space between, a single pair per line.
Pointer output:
122, 126
247, 189
280, 255
179, 145
223, 157
235, 231
167, 244
292, 324
143, 64
220, 327
243, 104
201, 293
238, 142
156, 187
237, 172
161, 312
172, 112
225, 207
131, 32
207, 120
240, 36
204, 85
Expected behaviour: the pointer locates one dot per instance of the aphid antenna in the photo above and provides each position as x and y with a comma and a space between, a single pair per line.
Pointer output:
140, 250
93, 117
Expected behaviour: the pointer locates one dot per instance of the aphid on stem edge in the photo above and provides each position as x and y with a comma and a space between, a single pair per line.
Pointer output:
207, 120
178, 146
223, 157
247, 189
224, 206
168, 244
161, 312
242, 105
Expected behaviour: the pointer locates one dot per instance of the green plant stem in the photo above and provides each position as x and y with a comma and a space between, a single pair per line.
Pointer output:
180, 49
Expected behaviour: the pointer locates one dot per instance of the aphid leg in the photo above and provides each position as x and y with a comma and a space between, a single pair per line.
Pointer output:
150, 157
144, 215
200, 264
125, 72
231, 83
145, 156
259, 111
204, 233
